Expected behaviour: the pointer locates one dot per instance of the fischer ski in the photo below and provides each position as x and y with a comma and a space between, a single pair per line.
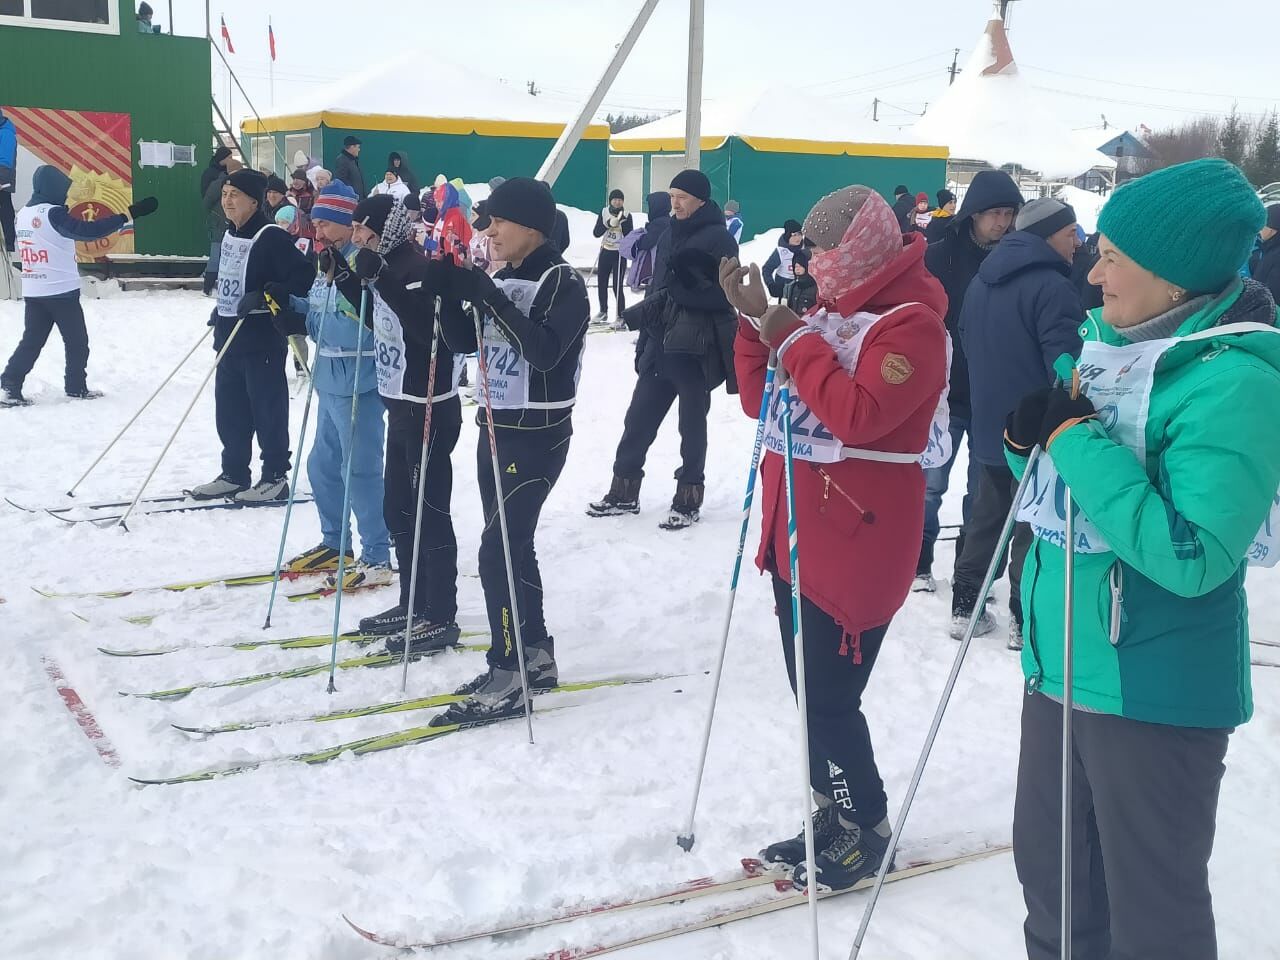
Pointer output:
310, 670
195, 505
287, 643
754, 873
100, 505
233, 580
405, 706
389, 741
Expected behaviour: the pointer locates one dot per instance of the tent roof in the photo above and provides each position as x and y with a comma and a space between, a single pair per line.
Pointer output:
992, 113
806, 125
406, 95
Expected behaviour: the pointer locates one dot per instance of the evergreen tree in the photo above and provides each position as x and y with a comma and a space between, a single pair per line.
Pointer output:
1264, 163
1233, 138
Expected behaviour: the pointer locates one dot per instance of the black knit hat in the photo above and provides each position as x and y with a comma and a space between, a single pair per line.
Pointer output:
276, 184
616, 195
221, 154
801, 258
351, 141
412, 202
945, 196
372, 212
1273, 216
525, 201
900, 189
249, 182
694, 183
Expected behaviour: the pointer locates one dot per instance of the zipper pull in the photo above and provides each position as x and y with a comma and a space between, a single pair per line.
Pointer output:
1221, 349
826, 485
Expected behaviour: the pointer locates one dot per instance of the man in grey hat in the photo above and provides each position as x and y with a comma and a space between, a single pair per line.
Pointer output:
1020, 313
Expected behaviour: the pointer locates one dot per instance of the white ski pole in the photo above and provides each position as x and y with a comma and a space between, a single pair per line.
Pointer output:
797, 638
186, 413
164, 383
297, 463
686, 840
1001, 544
346, 499
500, 497
420, 492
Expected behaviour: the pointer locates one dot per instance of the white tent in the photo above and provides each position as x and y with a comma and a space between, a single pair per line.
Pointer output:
992, 113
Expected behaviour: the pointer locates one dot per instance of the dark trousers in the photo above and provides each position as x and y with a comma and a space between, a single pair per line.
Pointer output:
679, 377
611, 272
6, 219
981, 536
529, 463
936, 482
842, 763
1144, 804
251, 395
42, 315
436, 596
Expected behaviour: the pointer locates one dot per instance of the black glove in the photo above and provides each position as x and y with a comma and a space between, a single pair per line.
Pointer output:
276, 295
1063, 411
369, 264
473, 285
439, 278
1022, 426
144, 207
326, 261
288, 323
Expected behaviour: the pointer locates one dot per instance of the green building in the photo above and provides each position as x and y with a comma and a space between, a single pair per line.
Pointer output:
126, 114
440, 120
776, 154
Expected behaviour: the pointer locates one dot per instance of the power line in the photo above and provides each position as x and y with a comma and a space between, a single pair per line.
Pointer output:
1141, 86
872, 73
1138, 103
886, 86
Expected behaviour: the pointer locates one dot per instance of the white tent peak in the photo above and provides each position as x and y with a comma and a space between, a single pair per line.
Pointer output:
993, 114
776, 113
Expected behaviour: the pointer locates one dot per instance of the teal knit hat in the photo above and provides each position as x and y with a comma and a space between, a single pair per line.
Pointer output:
1192, 224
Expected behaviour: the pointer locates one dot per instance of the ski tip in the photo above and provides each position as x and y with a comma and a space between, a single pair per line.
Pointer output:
368, 934
685, 843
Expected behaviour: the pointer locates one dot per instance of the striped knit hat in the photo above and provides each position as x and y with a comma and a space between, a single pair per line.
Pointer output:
335, 203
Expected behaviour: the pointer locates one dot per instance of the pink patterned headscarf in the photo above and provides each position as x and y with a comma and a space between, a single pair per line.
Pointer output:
858, 234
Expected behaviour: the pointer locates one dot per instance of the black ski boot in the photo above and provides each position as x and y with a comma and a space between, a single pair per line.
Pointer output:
539, 662
11, 393
685, 507
427, 638
391, 620
623, 497
790, 853
852, 855
497, 696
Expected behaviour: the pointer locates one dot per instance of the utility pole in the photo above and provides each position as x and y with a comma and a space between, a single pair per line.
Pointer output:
955, 60
693, 90
875, 109
533, 88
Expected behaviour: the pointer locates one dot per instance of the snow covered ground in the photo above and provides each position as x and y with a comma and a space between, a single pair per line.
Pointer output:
480, 827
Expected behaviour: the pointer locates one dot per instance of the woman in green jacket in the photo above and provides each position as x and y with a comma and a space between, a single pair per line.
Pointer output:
1172, 459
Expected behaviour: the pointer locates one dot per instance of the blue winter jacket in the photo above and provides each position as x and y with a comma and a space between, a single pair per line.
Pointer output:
8, 144
1020, 313
334, 368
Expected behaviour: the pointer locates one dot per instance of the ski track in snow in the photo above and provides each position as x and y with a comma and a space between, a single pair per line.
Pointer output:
480, 828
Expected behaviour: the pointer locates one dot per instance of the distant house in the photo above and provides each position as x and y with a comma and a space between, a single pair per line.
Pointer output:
1129, 153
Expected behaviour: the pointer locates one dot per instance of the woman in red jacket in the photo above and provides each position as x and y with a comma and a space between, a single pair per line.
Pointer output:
868, 366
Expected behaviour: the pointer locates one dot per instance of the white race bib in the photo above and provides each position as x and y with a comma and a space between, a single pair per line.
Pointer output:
1118, 380
388, 350
232, 267
811, 440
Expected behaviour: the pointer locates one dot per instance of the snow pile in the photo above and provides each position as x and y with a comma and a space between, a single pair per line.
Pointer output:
479, 828
405, 87
1085, 203
991, 113
775, 113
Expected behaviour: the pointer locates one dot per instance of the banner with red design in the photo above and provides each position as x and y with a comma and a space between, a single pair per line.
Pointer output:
95, 150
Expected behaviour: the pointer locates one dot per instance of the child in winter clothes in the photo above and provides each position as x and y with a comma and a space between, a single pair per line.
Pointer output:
800, 293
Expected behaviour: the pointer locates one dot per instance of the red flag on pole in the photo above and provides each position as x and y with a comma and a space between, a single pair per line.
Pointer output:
271, 39
226, 36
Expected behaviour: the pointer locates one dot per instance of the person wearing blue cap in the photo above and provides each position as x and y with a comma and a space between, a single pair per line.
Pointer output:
330, 315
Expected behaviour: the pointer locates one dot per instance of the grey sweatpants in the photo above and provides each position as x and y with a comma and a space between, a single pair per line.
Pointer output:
1145, 799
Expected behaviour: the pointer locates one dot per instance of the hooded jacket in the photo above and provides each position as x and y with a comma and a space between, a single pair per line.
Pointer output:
955, 259
1161, 620
659, 223
1267, 269
404, 172
1020, 313
50, 185
451, 226
859, 521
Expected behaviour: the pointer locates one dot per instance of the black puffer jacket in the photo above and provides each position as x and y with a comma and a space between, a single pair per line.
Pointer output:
687, 313
955, 260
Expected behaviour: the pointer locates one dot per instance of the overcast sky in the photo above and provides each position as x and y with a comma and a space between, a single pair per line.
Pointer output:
1136, 61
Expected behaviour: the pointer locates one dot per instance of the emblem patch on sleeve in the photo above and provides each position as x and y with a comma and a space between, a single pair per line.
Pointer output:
896, 369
